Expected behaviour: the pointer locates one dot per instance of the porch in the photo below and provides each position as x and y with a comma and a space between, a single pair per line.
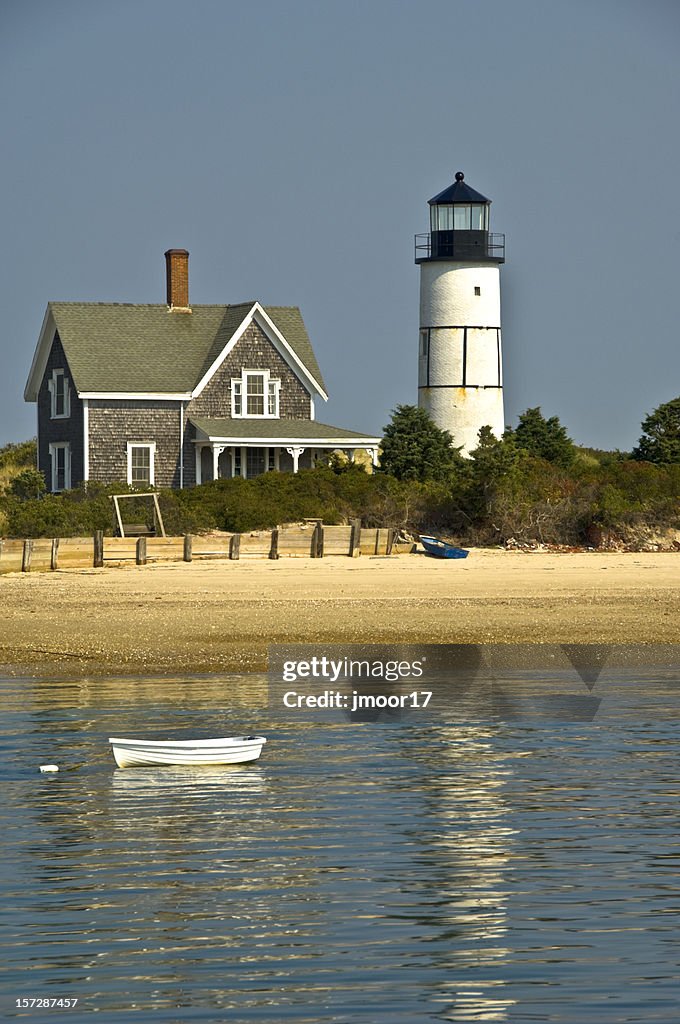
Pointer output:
222, 451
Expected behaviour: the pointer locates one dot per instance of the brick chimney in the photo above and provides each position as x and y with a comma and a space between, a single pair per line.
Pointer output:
177, 278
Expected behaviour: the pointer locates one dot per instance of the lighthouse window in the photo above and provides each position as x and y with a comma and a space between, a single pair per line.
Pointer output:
478, 218
470, 217
424, 342
460, 217
441, 218
478, 290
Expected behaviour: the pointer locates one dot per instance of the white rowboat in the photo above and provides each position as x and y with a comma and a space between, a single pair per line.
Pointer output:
230, 750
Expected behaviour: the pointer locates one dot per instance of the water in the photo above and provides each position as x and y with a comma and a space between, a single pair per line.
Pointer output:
513, 871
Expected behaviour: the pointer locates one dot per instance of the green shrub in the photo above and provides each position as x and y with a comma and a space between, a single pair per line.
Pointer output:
27, 484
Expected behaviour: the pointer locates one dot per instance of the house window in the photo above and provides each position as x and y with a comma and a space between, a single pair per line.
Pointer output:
140, 464
255, 462
236, 398
60, 459
255, 394
58, 386
273, 397
237, 462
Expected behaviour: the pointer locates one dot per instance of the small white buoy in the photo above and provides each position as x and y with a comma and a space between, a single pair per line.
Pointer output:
49, 767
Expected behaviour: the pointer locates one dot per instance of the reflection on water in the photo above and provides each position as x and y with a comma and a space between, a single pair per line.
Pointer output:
501, 871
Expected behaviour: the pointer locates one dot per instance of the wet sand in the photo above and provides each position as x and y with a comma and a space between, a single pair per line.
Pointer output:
219, 616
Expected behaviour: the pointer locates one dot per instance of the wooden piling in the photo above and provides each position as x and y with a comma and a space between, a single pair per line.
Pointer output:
140, 551
274, 549
188, 544
98, 560
317, 541
54, 554
26, 556
235, 546
355, 538
391, 537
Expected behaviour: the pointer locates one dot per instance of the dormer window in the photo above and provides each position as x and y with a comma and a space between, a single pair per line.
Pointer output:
255, 394
58, 386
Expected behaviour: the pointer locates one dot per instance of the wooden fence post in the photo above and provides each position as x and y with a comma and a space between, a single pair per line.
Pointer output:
235, 546
391, 537
98, 561
188, 541
317, 541
355, 539
26, 556
54, 554
140, 551
274, 549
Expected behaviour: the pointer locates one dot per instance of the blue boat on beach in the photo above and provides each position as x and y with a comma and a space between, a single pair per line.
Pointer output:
440, 549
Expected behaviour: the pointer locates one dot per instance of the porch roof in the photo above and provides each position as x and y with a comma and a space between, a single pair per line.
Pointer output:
266, 431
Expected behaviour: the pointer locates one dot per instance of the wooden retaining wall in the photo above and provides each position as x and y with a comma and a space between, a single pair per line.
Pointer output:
311, 540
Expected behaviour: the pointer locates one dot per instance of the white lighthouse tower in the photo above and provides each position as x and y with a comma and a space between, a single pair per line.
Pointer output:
460, 373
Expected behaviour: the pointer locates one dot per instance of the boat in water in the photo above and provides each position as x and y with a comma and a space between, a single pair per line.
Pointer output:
440, 549
228, 750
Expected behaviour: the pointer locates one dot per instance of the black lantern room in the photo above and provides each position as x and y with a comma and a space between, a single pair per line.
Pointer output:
459, 227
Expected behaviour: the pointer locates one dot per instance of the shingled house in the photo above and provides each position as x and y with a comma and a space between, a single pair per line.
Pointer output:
173, 395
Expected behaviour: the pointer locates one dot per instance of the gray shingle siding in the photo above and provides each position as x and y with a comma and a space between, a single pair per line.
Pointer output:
114, 422
253, 351
68, 430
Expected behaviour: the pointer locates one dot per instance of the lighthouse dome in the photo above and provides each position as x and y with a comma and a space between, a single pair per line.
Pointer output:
459, 192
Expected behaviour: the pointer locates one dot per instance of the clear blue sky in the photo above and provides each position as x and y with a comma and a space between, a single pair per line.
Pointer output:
292, 147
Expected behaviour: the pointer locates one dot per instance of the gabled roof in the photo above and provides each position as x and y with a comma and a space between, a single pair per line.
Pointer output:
115, 348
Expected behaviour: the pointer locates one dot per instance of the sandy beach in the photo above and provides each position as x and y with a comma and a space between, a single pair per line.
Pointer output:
219, 616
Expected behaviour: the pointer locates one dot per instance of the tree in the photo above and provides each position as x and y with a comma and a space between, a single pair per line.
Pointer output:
544, 438
414, 448
660, 441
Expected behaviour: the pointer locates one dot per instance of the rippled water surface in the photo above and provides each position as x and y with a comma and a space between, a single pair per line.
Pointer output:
491, 871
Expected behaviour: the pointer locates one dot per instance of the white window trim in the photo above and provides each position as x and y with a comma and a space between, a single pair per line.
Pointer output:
236, 386
243, 381
55, 446
151, 445
52, 388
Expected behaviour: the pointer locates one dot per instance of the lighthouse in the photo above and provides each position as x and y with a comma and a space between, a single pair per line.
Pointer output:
460, 372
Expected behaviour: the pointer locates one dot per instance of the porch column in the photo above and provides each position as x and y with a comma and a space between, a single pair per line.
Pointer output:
373, 452
350, 454
295, 454
217, 450
198, 449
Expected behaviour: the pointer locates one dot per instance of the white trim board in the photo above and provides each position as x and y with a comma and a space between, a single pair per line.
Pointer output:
282, 442
138, 396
